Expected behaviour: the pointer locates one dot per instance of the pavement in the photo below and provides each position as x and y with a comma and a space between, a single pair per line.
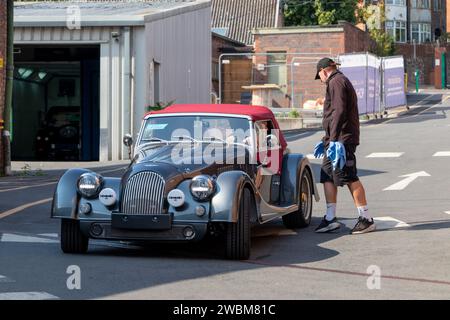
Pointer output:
403, 165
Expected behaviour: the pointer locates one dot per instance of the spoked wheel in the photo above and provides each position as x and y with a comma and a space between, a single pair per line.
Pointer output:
238, 234
302, 217
72, 240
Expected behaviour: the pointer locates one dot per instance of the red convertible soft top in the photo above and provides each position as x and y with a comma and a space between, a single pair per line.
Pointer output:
256, 113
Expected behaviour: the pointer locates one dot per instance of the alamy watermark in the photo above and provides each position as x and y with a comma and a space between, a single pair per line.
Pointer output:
374, 280
74, 280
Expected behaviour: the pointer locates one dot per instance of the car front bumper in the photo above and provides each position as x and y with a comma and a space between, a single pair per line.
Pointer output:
178, 232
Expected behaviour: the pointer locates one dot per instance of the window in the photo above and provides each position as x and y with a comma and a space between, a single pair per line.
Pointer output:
437, 5
421, 32
420, 4
396, 2
397, 30
276, 69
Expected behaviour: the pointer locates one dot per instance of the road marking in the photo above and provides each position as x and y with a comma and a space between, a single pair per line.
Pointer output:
442, 154
50, 235
27, 187
23, 207
385, 155
386, 223
447, 212
27, 296
10, 237
405, 182
311, 157
4, 279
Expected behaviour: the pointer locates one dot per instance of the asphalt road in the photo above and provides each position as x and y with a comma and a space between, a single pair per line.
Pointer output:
410, 251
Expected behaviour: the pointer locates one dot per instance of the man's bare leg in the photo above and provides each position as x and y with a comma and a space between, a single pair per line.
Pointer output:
359, 194
330, 192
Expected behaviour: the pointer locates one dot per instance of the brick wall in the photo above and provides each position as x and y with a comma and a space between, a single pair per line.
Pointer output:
424, 62
2, 71
222, 45
328, 41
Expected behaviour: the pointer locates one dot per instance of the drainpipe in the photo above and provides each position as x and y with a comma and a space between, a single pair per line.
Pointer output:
127, 114
9, 88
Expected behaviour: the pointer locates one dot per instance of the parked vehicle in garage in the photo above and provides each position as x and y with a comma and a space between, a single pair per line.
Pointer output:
196, 169
59, 137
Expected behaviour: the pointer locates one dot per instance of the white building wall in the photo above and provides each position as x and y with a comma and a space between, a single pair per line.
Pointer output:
181, 44
396, 12
421, 15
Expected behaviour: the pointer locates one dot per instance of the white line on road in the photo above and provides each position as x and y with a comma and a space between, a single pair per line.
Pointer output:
385, 155
447, 212
27, 296
23, 207
442, 154
50, 235
386, 223
32, 186
405, 182
311, 157
10, 237
4, 279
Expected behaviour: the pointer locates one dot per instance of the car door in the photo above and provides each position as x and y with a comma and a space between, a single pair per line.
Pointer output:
268, 166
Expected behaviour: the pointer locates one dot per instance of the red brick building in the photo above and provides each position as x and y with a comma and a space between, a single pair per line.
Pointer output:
288, 45
224, 45
3, 30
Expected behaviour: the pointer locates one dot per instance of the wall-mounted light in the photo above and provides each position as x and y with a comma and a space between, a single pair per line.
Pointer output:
115, 35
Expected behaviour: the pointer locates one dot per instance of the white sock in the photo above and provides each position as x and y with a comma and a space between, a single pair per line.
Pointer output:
364, 212
331, 211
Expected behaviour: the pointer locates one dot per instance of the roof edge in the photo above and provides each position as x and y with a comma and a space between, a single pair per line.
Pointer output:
199, 4
293, 30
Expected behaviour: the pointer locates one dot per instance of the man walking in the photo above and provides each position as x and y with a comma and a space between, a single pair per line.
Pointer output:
341, 124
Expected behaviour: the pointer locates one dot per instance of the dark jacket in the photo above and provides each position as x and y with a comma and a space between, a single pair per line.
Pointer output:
340, 111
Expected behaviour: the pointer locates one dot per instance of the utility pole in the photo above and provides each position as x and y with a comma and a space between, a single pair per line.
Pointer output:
6, 132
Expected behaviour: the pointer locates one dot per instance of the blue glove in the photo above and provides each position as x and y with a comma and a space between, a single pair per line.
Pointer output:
319, 150
336, 153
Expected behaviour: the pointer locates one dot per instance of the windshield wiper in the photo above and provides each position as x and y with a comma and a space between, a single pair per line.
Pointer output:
186, 137
214, 139
151, 140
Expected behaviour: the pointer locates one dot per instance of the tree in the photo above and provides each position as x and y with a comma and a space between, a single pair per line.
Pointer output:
318, 12
374, 17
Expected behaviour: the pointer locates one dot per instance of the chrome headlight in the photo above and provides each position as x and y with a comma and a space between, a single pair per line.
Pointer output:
89, 184
202, 187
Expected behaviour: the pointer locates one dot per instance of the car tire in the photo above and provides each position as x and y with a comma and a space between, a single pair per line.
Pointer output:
72, 240
302, 217
238, 234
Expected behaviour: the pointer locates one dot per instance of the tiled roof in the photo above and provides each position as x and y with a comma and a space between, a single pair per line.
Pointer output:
239, 17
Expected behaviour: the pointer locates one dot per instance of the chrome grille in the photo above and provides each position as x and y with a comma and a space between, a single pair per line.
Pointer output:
144, 194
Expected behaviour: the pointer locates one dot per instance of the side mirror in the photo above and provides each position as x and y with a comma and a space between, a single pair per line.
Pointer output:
127, 140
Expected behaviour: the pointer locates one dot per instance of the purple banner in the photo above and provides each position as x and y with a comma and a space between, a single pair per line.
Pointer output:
357, 76
394, 87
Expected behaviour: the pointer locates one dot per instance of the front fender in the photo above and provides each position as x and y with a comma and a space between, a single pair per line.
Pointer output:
294, 165
225, 203
66, 197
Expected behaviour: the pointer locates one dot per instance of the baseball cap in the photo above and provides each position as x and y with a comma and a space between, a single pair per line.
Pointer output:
324, 63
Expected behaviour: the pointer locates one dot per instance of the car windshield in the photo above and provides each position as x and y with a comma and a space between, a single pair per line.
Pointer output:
196, 129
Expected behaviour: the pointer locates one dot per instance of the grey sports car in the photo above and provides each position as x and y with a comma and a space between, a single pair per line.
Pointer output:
195, 170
